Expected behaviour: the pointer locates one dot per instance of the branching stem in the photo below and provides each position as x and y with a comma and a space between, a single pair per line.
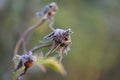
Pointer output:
25, 33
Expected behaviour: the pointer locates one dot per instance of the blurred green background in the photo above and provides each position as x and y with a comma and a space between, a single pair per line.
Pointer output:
95, 52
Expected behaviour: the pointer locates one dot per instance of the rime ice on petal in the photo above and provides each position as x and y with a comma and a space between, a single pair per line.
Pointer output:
48, 13
62, 39
26, 60
49, 36
55, 33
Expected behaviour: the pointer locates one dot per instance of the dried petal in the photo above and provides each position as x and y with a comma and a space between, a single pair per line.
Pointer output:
61, 38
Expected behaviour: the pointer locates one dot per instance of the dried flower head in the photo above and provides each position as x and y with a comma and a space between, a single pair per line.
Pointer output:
61, 38
27, 61
48, 13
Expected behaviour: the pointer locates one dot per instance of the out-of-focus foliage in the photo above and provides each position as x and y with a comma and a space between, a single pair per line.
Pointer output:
52, 63
95, 53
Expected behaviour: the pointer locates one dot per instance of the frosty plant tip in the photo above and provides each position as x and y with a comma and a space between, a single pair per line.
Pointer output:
62, 39
26, 61
48, 13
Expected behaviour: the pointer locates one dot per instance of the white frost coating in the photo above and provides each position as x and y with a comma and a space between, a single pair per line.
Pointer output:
27, 57
52, 7
34, 58
53, 4
30, 52
57, 32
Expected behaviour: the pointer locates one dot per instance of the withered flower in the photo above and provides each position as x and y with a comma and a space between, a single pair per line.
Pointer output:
62, 39
48, 13
27, 61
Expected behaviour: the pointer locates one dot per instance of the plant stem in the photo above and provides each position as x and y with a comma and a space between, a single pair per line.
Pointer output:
25, 33
39, 47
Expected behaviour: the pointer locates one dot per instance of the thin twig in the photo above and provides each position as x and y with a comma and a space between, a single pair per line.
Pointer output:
39, 47
25, 33
24, 46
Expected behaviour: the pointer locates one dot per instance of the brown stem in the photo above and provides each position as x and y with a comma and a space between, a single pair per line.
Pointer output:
25, 33
39, 47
